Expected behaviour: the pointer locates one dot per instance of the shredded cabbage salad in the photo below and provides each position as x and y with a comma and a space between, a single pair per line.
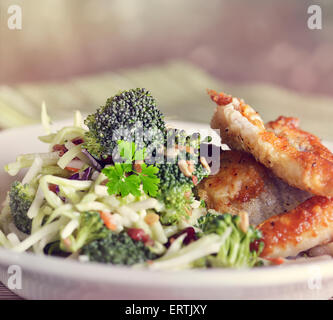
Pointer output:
67, 184
69, 212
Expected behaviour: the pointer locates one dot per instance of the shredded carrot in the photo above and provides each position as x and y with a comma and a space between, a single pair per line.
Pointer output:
107, 219
276, 261
72, 169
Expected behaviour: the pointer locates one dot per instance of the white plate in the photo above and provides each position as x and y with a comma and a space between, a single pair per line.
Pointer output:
56, 278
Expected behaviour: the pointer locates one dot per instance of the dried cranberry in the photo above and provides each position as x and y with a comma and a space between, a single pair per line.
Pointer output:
254, 246
139, 235
60, 148
190, 236
54, 188
77, 141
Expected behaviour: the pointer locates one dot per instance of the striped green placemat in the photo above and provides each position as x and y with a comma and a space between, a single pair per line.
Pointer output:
179, 87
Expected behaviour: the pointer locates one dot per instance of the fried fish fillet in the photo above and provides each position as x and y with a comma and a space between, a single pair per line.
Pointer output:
293, 155
243, 184
308, 225
291, 220
288, 128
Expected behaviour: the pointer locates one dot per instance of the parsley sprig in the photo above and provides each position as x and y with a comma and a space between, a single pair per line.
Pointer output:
125, 178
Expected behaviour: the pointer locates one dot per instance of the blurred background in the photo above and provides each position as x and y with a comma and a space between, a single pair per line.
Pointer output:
253, 48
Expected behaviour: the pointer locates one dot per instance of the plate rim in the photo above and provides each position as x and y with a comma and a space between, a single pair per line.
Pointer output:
290, 274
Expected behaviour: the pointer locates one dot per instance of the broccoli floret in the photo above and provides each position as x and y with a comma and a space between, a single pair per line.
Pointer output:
176, 190
236, 251
91, 227
118, 249
175, 187
177, 202
129, 115
20, 200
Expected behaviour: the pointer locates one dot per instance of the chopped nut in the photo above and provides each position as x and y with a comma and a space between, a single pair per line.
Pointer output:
151, 218
183, 166
67, 242
244, 223
172, 153
189, 149
205, 163
137, 165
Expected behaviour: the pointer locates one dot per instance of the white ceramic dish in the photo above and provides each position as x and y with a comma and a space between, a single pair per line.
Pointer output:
56, 278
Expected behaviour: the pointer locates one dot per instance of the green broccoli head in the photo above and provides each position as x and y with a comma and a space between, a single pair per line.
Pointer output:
20, 200
177, 204
175, 187
91, 227
118, 249
129, 115
176, 190
236, 251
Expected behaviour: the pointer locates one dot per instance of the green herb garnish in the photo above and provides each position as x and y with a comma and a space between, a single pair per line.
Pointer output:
126, 178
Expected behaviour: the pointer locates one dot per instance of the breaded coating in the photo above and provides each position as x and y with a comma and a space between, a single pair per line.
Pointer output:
293, 155
243, 184
308, 225
288, 128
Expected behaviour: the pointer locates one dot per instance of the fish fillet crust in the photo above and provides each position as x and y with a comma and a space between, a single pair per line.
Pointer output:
243, 184
307, 166
310, 224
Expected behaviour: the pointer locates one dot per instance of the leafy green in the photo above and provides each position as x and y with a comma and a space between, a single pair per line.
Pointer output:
124, 178
119, 183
